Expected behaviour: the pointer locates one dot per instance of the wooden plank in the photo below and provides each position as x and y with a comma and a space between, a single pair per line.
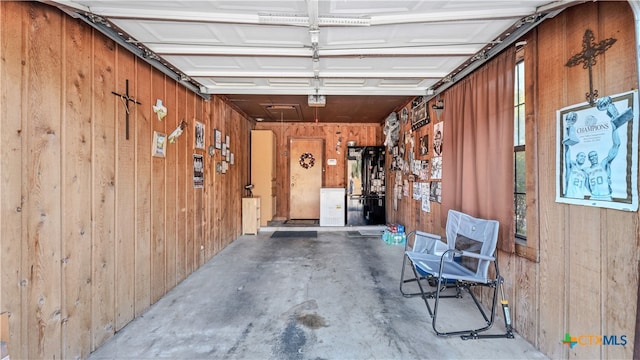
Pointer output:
523, 296
189, 137
524, 276
552, 323
13, 187
581, 223
104, 194
618, 279
198, 211
43, 182
201, 221
217, 110
125, 197
221, 179
184, 181
76, 191
171, 191
210, 224
140, 133
241, 166
158, 199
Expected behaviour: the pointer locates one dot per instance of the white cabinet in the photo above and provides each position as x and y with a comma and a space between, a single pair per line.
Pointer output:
332, 202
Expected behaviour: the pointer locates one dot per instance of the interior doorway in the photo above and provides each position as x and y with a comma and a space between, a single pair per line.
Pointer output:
306, 165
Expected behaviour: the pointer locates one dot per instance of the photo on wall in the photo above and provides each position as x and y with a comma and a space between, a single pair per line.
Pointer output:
424, 145
198, 171
199, 135
159, 144
437, 138
217, 138
597, 153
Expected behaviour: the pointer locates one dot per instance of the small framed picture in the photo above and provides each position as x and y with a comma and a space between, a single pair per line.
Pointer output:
227, 141
159, 144
199, 135
223, 151
198, 171
217, 135
424, 145
231, 159
228, 156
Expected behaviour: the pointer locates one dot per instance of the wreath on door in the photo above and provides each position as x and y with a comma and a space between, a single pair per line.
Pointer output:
307, 160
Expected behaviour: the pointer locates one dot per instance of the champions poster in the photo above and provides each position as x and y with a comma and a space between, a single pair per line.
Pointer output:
597, 153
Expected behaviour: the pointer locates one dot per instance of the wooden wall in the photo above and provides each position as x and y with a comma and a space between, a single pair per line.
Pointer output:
585, 279
334, 176
93, 229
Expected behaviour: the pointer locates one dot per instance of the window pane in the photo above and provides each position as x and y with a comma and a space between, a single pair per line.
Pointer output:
521, 126
519, 163
521, 215
520, 73
516, 132
520, 172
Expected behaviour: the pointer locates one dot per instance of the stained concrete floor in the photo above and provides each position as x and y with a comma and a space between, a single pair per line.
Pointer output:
331, 297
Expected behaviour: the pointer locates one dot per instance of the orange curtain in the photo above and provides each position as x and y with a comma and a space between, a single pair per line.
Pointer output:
477, 164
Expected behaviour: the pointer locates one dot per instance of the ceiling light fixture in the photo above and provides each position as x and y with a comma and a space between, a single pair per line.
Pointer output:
316, 100
281, 107
301, 20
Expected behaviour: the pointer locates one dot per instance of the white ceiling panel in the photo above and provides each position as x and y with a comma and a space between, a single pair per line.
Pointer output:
247, 48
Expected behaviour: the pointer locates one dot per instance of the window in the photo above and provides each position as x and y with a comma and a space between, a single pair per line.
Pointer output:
519, 160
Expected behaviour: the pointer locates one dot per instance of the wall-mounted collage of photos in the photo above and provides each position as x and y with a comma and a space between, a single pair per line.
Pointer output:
414, 140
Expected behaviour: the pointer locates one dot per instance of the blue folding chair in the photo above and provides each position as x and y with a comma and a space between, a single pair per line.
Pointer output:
463, 264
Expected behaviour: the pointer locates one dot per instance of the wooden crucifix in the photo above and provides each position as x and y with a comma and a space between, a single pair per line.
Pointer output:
588, 59
125, 100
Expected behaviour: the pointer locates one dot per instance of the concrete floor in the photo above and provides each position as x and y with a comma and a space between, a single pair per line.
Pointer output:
330, 297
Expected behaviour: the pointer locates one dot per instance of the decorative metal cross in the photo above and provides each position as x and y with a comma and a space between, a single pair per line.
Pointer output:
125, 100
588, 59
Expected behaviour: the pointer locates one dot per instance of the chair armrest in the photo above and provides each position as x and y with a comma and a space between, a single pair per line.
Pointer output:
474, 255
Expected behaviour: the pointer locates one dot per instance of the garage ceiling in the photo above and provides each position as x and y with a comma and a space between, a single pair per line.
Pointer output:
356, 61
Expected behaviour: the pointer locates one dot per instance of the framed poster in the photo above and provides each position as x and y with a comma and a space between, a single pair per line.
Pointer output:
597, 153
159, 144
217, 138
437, 138
198, 171
435, 192
425, 193
199, 135
419, 113
424, 145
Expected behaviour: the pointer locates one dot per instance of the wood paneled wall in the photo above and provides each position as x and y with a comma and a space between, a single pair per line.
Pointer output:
93, 229
335, 138
585, 282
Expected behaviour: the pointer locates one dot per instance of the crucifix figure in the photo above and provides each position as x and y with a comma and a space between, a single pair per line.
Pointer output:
125, 100
588, 59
